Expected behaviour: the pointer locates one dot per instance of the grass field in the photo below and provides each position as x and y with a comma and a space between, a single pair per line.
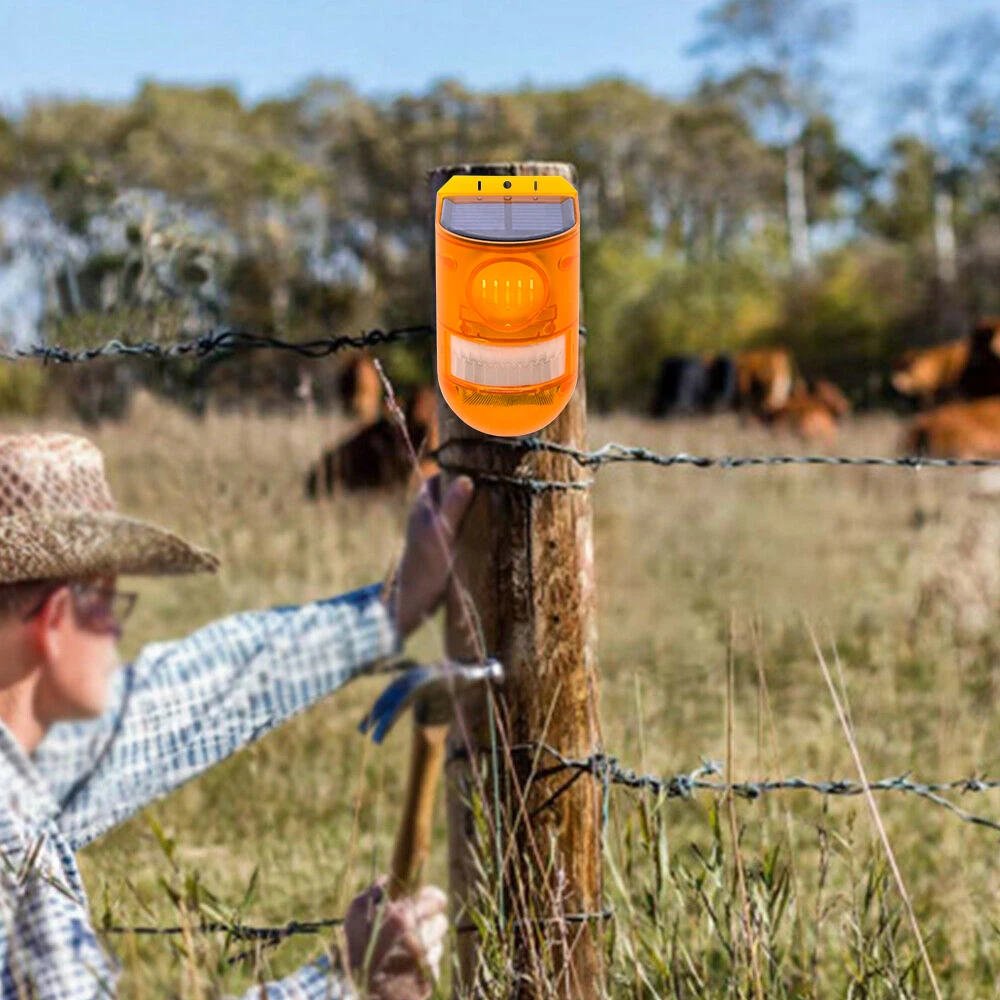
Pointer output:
897, 572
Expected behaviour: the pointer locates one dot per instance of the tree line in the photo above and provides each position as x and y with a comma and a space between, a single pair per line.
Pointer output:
735, 215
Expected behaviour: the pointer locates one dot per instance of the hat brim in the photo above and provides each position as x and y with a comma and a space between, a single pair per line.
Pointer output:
68, 546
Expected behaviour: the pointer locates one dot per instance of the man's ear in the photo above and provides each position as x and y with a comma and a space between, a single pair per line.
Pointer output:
51, 620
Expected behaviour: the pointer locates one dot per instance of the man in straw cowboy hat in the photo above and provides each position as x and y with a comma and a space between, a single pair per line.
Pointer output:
84, 745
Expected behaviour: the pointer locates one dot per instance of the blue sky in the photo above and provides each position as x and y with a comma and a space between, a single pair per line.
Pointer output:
102, 48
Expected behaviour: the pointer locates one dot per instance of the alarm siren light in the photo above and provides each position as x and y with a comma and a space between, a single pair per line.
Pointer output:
508, 299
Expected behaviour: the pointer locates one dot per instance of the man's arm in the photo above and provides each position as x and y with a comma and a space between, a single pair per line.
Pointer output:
312, 982
183, 706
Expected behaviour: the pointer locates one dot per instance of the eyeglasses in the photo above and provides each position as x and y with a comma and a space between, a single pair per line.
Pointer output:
98, 609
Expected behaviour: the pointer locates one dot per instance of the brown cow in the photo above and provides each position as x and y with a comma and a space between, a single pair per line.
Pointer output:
376, 457
812, 412
928, 373
956, 430
764, 379
360, 389
832, 398
968, 368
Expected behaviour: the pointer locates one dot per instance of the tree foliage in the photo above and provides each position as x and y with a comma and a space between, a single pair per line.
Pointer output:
309, 212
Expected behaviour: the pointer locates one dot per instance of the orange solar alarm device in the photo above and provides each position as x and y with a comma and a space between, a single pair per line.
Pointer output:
508, 299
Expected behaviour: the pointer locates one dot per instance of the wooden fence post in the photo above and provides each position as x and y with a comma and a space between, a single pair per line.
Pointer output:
526, 559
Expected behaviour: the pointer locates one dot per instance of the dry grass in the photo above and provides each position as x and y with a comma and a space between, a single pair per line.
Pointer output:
899, 571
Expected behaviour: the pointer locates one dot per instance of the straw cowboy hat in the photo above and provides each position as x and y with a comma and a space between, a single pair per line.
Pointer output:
58, 519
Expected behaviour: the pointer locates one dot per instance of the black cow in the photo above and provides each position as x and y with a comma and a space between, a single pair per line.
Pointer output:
688, 384
981, 375
680, 386
720, 383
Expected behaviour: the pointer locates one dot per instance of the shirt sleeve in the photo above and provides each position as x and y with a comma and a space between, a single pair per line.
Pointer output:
181, 707
312, 982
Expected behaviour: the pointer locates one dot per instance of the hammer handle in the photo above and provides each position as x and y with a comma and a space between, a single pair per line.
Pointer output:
414, 835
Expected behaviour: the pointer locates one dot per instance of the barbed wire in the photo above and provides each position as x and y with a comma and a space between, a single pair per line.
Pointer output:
227, 340
614, 453
609, 771
274, 935
222, 341
238, 931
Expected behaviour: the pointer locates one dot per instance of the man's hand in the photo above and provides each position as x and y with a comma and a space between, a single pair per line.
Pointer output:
420, 580
394, 947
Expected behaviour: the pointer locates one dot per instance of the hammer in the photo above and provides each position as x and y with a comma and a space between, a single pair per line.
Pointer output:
432, 689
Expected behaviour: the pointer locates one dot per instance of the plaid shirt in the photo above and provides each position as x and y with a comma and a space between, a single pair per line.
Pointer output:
179, 708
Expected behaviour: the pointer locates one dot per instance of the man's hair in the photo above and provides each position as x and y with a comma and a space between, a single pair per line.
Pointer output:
18, 598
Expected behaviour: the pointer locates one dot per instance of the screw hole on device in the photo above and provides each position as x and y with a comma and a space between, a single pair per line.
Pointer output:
506, 184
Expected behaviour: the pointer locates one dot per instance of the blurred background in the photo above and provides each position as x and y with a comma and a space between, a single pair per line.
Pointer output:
820, 175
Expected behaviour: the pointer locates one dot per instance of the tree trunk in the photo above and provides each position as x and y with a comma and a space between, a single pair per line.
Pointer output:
795, 203
945, 244
522, 858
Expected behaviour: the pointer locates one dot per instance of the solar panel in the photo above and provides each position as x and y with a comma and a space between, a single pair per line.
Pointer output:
507, 221
529, 216
475, 216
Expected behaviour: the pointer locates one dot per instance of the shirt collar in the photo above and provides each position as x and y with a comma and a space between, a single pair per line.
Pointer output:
24, 789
